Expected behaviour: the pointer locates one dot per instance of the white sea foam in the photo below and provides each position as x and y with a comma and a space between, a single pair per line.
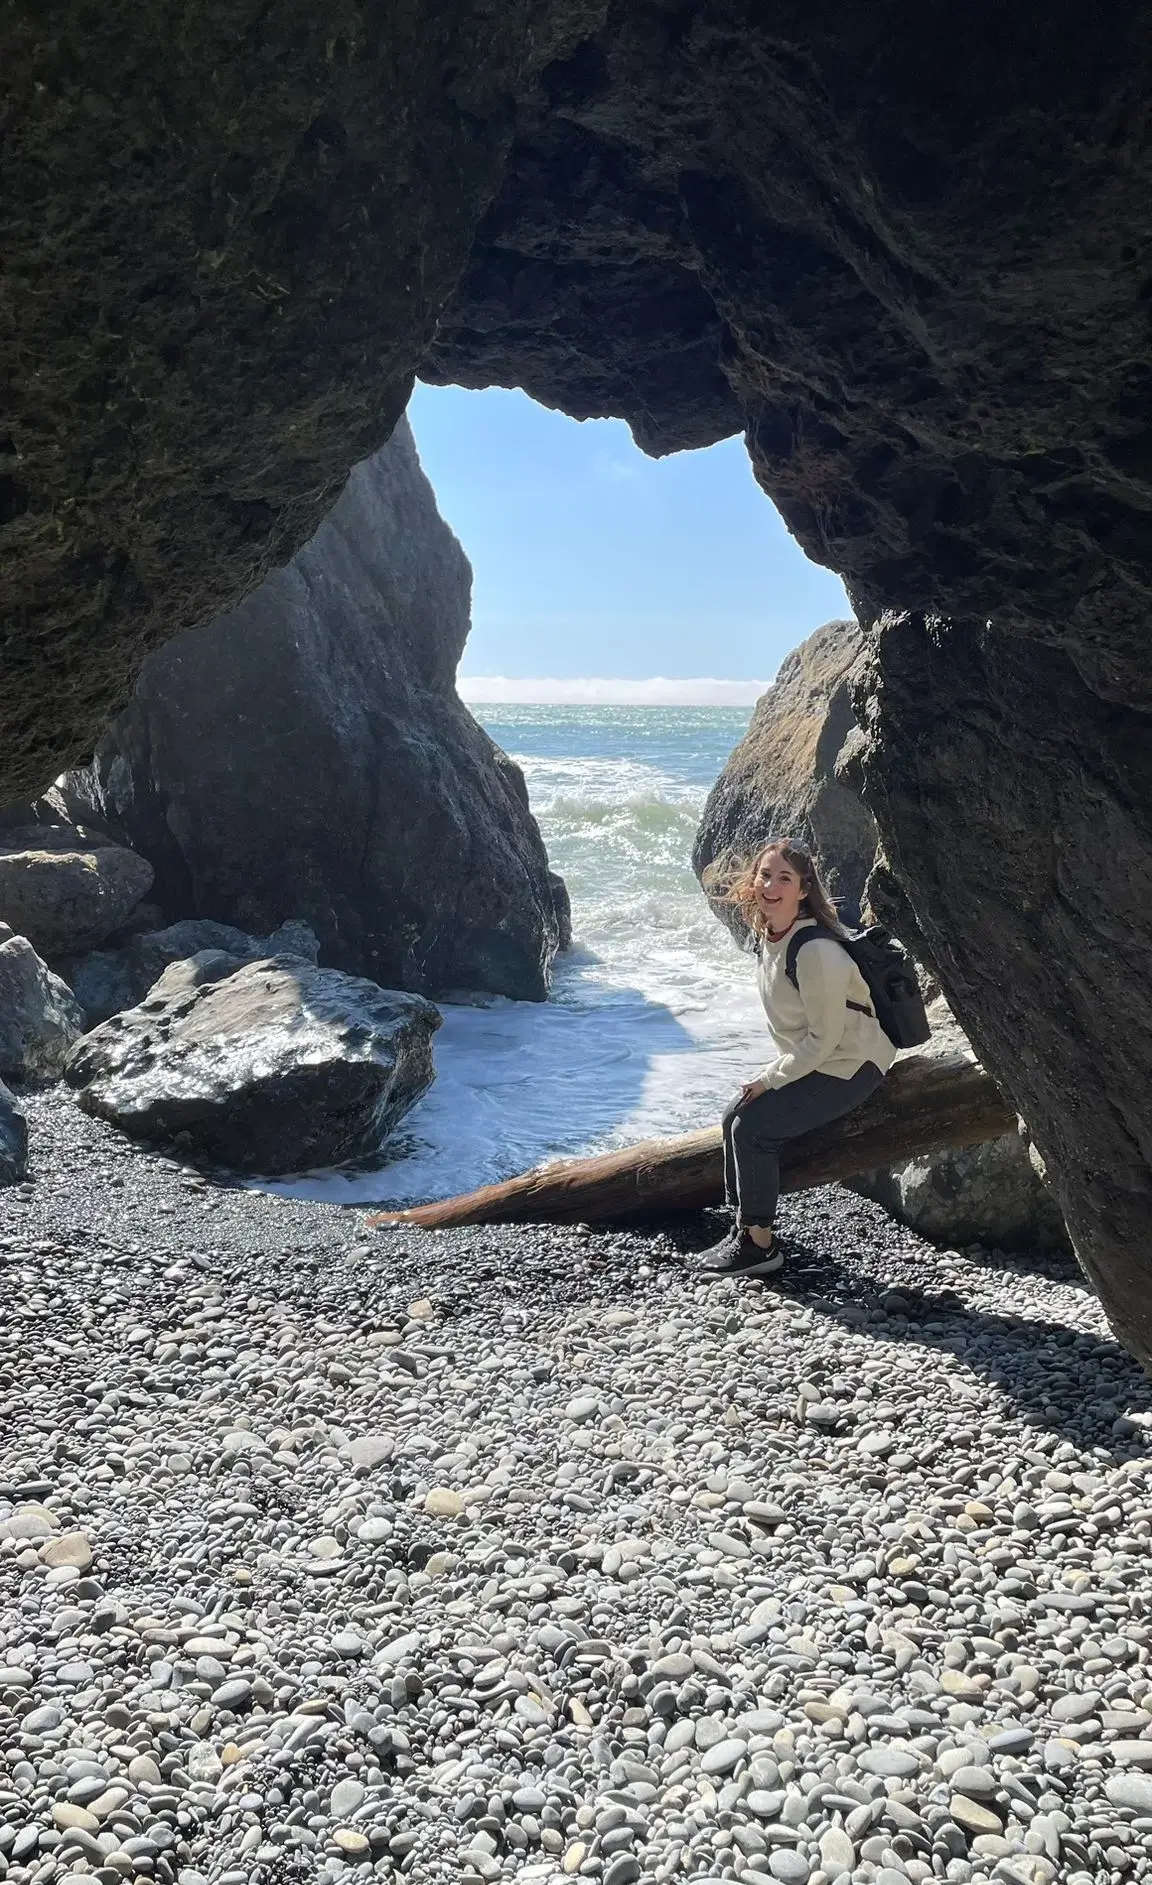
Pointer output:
653, 1020
591, 690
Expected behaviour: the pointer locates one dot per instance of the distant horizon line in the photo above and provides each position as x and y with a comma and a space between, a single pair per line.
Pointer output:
657, 690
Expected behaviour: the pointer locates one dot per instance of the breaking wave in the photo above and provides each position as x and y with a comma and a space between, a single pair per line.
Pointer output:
653, 1020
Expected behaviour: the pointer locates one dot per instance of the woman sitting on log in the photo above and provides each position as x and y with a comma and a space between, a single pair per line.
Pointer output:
829, 1052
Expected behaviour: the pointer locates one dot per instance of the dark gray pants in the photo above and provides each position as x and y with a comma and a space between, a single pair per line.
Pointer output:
755, 1132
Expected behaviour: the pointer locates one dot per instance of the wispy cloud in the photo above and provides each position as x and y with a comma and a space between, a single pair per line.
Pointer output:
593, 691
614, 470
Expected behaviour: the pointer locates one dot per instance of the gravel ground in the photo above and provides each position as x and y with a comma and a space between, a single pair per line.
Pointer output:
524, 1555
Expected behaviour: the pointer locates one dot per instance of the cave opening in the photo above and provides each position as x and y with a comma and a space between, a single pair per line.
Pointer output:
627, 612
910, 266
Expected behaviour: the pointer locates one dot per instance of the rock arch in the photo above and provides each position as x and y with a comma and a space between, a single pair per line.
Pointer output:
906, 252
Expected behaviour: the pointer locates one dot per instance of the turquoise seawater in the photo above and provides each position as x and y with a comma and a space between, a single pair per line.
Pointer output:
653, 1019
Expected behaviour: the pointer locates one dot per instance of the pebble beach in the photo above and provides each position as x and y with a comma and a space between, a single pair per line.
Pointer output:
524, 1555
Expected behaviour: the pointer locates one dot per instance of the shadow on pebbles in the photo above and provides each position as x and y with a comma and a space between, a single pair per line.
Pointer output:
525, 1555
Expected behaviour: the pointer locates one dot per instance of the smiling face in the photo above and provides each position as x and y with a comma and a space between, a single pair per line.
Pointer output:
779, 890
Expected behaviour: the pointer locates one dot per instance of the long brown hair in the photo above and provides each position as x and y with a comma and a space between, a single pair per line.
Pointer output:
732, 881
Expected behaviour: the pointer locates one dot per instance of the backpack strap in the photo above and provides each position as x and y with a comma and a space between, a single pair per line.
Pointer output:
796, 944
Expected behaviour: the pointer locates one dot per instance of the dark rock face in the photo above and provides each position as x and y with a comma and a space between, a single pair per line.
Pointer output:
308, 756
911, 262
40, 1018
1019, 832
109, 980
910, 257
13, 1139
273, 1067
67, 889
781, 779
900, 257
249, 220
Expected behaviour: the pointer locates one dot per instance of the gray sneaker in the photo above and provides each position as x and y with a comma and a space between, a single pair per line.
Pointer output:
741, 1256
716, 1252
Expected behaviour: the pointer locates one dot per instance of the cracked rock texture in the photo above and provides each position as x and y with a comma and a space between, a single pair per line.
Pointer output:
308, 757
908, 255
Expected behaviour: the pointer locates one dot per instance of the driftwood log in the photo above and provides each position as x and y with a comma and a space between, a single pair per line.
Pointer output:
928, 1103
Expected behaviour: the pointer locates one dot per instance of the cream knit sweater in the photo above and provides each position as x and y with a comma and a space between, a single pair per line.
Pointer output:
813, 1030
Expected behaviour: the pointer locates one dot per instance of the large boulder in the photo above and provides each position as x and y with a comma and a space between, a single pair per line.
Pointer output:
308, 756
110, 980
987, 1194
992, 1194
13, 1139
781, 780
273, 1067
40, 1018
67, 889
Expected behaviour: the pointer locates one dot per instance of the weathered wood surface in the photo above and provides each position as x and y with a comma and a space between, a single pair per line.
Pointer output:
928, 1103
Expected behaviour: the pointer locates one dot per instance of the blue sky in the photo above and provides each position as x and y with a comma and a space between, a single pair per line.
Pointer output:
592, 560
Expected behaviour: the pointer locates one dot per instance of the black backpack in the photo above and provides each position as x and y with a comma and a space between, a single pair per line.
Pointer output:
897, 1002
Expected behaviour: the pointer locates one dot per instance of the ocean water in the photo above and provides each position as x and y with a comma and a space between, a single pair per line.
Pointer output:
653, 1021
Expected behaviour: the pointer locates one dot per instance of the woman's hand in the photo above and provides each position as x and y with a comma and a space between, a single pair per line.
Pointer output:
752, 1091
